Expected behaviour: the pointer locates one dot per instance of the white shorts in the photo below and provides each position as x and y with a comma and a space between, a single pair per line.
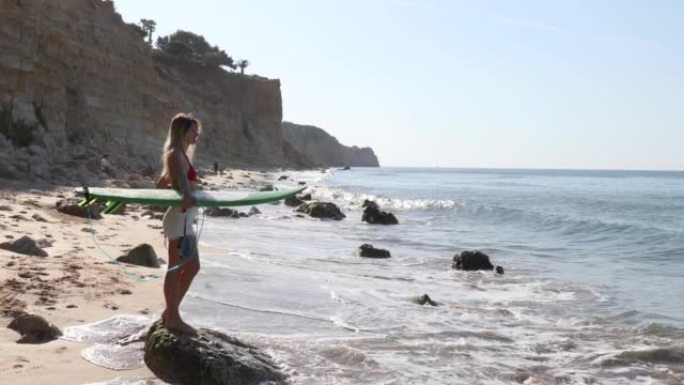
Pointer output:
179, 224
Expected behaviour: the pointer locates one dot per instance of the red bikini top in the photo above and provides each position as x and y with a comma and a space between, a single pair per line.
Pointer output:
192, 173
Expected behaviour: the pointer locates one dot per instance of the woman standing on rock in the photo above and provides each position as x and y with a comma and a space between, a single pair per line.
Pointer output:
179, 174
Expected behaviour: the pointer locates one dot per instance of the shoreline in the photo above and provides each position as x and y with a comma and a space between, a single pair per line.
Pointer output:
76, 284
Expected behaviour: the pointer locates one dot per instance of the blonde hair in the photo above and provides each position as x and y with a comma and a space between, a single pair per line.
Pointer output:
175, 138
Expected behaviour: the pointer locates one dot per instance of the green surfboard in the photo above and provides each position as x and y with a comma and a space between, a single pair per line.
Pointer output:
114, 197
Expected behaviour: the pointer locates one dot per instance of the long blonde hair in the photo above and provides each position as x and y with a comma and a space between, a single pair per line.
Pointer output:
179, 127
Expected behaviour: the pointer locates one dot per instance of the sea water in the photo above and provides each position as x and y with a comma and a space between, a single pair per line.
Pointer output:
593, 290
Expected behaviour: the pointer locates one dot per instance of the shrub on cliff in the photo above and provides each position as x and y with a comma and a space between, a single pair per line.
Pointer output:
192, 47
16, 130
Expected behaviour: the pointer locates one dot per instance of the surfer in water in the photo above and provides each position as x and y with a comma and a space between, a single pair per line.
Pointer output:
179, 174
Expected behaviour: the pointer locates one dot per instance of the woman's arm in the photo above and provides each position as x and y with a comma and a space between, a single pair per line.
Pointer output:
179, 175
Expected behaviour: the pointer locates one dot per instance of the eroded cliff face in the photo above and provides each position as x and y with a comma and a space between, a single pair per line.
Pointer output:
323, 150
91, 85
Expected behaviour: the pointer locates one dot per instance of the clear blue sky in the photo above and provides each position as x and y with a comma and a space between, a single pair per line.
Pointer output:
539, 84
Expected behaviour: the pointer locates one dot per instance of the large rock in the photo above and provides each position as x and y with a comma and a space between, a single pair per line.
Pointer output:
474, 260
293, 201
368, 251
70, 206
373, 215
141, 255
24, 245
424, 299
210, 358
34, 329
221, 212
322, 210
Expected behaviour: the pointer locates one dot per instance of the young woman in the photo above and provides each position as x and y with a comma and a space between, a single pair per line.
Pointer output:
179, 174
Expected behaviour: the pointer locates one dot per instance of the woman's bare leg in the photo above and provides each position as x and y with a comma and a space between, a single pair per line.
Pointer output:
172, 293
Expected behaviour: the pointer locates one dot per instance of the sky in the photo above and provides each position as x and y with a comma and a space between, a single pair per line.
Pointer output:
504, 84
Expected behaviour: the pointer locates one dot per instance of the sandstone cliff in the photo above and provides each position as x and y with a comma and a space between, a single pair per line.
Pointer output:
323, 150
90, 85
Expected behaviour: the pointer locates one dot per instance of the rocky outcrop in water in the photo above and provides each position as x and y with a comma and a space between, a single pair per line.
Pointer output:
474, 260
322, 210
210, 358
373, 215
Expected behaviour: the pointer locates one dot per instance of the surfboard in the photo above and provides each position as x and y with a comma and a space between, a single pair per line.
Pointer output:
114, 197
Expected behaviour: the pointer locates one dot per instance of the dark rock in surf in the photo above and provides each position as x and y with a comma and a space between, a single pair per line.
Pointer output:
424, 299
373, 215
221, 212
322, 210
293, 201
368, 251
474, 260
209, 358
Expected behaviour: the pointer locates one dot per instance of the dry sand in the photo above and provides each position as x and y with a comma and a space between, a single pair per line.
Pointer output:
75, 284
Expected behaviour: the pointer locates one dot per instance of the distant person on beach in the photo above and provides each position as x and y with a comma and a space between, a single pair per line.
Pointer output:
215, 168
105, 166
179, 174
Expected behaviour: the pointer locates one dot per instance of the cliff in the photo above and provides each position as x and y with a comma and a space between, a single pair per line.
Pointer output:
322, 149
76, 81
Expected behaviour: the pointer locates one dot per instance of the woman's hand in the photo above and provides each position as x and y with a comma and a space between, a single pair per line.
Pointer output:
187, 202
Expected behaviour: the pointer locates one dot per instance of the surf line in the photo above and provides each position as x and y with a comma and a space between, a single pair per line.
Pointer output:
110, 207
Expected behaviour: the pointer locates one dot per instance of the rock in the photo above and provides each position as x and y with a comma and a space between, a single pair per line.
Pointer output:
301, 183
254, 211
282, 177
209, 358
368, 251
268, 187
141, 255
321, 210
221, 212
38, 218
293, 201
24, 245
305, 197
373, 215
474, 260
424, 299
34, 329
70, 207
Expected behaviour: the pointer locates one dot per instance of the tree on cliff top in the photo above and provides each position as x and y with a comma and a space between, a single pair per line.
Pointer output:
242, 64
192, 47
148, 26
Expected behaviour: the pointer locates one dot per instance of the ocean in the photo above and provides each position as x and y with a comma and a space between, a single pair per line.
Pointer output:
592, 291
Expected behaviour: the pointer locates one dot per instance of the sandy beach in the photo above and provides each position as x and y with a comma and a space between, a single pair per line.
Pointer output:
76, 283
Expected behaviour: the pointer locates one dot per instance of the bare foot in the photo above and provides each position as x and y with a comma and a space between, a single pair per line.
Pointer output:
180, 326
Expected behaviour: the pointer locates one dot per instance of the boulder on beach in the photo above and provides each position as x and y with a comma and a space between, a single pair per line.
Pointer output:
34, 329
141, 255
24, 245
373, 215
474, 260
322, 210
221, 212
368, 251
70, 206
208, 358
